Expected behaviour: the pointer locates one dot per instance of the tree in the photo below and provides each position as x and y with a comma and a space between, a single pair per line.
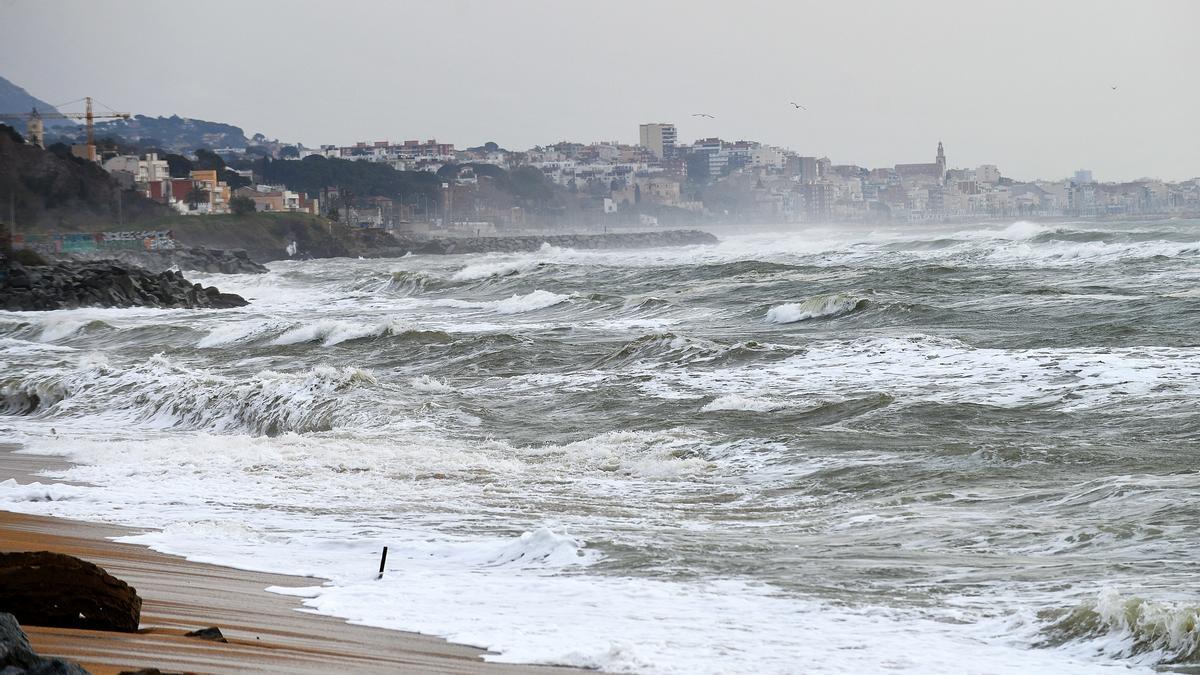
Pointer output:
178, 165
233, 180
346, 196
289, 152
208, 160
195, 196
242, 205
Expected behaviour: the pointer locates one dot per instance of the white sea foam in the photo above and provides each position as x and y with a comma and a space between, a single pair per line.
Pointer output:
486, 270
519, 304
430, 385
925, 368
1022, 229
739, 402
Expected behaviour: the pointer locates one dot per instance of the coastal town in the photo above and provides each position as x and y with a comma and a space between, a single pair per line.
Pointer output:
659, 179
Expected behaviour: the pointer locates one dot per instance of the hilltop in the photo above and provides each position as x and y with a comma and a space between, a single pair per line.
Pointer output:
173, 134
14, 99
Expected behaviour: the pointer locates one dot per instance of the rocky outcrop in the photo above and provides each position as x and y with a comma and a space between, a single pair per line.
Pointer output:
18, 658
41, 588
194, 259
71, 284
514, 244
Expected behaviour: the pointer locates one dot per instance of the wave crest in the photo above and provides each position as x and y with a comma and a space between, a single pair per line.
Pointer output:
1131, 627
164, 394
817, 307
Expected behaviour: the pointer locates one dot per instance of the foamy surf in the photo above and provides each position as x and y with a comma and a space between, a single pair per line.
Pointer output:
705, 459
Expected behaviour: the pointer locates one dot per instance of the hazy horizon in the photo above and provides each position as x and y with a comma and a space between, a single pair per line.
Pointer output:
1029, 88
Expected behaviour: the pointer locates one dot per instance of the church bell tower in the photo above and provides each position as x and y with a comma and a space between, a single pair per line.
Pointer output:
941, 162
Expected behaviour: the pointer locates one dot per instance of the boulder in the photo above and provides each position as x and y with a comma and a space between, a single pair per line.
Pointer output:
42, 588
18, 658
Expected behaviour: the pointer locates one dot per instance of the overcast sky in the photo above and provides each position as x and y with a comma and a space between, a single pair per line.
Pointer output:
1027, 86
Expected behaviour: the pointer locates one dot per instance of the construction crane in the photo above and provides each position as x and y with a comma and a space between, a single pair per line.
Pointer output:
36, 131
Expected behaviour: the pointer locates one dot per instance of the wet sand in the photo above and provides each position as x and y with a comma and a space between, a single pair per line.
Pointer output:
266, 633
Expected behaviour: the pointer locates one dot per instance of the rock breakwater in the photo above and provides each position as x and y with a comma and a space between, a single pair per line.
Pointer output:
193, 259
71, 284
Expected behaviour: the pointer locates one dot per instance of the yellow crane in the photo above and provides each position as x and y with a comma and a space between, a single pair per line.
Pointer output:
36, 131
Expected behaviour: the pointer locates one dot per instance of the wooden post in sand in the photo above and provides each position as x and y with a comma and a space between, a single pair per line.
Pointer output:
381, 563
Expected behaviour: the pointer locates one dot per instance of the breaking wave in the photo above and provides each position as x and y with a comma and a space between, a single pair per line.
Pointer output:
330, 332
409, 282
507, 267
519, 304
737, 402
1130, 627
818, 307
162, 394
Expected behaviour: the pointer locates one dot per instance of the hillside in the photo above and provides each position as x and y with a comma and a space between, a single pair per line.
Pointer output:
49, 188
14, 99
174, 133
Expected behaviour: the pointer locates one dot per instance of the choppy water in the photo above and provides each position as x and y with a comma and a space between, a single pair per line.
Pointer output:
952, 449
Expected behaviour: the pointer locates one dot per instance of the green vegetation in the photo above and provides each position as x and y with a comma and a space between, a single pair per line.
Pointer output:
264, 235
51, 188
242, 206
314, 174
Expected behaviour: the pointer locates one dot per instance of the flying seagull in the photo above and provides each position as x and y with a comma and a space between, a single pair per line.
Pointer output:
711, 117
1114, 88
798, 106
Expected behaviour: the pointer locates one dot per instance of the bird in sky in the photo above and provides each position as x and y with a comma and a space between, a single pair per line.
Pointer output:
798, 106
711, 117
1114, 88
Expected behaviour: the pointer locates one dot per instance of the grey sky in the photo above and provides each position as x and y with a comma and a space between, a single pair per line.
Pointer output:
1024, 85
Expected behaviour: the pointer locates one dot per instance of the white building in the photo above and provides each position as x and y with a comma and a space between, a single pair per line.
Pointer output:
987, 173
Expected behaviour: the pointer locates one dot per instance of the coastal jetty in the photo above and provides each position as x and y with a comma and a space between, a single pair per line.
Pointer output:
192, 259
71, 284
515, 244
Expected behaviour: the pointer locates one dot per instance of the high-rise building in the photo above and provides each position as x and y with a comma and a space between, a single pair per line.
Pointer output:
1083, 176
659, 138
987, 173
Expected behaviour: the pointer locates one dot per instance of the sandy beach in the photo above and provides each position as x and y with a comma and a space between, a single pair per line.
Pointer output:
266, 633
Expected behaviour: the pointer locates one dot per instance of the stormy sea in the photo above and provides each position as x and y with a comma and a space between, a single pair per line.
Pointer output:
936, 449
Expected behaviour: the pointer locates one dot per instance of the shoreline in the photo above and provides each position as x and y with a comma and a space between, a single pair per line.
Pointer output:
267, 632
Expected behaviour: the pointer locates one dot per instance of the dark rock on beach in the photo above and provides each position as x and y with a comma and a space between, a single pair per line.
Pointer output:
18, 658
71, 284
52, 589
212, 634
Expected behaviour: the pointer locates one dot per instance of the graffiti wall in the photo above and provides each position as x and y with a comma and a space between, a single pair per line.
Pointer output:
139, 240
